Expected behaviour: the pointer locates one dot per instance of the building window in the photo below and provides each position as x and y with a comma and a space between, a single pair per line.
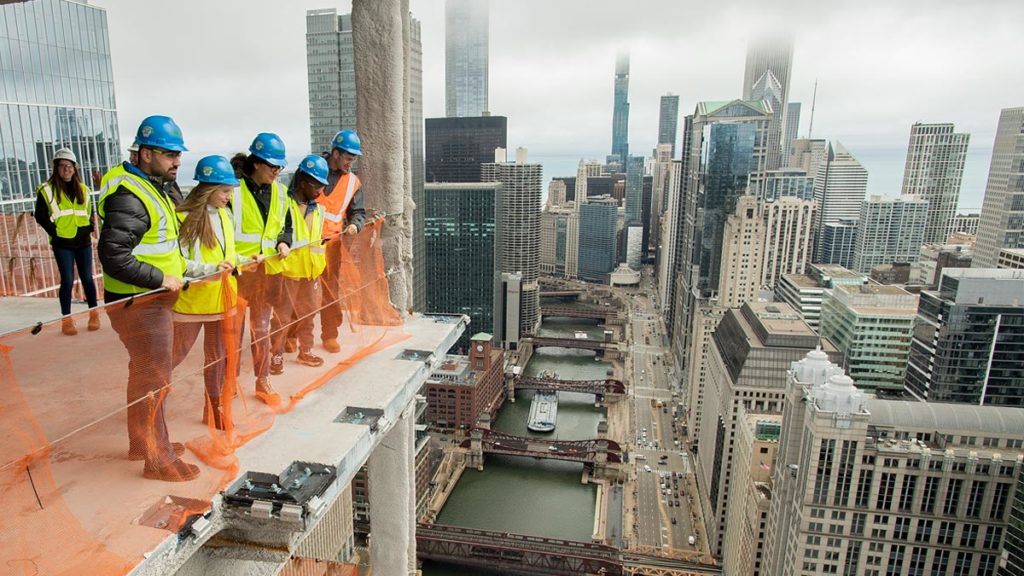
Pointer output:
946, 532
976, 499
901, 530
895, 567
886, 486
969, 536
857, 528
963, 564
931, 489
999, 499
917, 559
864, 488
924, 531
952, 496
940, 563
993, 537
907, 494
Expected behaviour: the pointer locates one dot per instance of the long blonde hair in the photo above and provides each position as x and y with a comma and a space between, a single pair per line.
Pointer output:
196, 223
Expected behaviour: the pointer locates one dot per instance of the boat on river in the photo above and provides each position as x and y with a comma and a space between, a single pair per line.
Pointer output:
543, 412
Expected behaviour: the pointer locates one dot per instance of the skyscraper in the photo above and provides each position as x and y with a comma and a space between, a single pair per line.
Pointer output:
1002, 210
457, 147
460, 221
597, 238
634, 189
668, 120
790, 131
555, 222
466, 51
332, 76
889, 230
519, 230
871, 325
839, 188
837, 243
419, 256
59, 92
724, 145
787, 238
969, 339
934, 170
620, 113
742, 254
772, 55
866, 486
788, 182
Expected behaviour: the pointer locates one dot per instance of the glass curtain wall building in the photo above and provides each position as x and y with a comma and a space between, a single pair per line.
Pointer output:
57, 90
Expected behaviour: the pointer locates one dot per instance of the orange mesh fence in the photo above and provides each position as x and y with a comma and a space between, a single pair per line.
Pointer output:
91, 427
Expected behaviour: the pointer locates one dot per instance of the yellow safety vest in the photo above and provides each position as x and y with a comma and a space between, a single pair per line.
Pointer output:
252, 235
159, 245
207, 296
66, 213
307, 259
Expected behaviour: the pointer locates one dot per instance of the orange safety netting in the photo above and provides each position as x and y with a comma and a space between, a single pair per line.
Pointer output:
73, 500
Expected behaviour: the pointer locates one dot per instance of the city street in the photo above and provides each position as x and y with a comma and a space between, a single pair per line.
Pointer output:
657, 437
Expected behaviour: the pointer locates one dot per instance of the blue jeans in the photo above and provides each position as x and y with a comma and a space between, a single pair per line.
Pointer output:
67, 260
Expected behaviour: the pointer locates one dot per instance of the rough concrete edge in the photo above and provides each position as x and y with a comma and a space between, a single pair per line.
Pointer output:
173, 552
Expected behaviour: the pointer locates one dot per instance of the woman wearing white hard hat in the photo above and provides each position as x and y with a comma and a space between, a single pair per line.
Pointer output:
64, 212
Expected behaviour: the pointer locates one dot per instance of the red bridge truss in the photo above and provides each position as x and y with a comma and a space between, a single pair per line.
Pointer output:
584, 451
582, 386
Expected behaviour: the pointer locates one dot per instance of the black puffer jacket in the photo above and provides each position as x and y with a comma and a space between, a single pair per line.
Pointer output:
125, 221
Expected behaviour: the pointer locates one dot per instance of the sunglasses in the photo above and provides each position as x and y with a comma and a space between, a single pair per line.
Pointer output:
168, 153
263, 162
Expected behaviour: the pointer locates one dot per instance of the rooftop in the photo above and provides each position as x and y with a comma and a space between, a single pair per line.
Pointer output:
946, 417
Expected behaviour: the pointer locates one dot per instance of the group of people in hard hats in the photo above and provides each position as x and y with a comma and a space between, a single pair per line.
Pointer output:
151, 237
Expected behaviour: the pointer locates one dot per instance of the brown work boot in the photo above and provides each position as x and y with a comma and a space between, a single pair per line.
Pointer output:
67, 326
291, 345
178, 448
94, 320
276, 366
331, 345
266, 393
177, 471
309, 359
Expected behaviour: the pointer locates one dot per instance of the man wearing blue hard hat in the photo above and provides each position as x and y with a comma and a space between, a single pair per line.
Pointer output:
138, 248
343, 214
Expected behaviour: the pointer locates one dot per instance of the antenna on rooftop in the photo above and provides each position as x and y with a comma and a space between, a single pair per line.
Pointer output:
814, 99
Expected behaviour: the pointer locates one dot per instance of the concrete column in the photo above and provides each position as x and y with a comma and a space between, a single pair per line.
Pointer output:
381, 52
393, 501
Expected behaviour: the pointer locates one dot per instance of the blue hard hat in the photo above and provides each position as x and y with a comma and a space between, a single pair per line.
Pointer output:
348, 141
269, 148
160, 132
316, 167
215, 170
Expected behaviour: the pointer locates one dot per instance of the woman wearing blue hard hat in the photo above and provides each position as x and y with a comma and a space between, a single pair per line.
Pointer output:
299, 296
263, 227
207, 241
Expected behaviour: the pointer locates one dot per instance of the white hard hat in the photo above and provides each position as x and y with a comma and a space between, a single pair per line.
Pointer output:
134, 147
65, 154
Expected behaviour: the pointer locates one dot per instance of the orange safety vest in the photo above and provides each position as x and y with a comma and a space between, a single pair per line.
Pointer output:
336, 203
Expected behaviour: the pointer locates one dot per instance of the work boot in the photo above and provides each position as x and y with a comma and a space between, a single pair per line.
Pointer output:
177, 471
276, 365
94, 320
133, 454
306, 357
266, 393
331, 345
67, 326
291, 345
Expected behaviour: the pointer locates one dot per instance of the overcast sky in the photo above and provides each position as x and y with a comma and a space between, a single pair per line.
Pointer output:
227, 69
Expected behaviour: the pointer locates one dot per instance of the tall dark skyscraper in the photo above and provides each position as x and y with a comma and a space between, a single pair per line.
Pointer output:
460, 222
331, 76
466, 48
620, 114
419, 288
456, 147
668, 121
597, 238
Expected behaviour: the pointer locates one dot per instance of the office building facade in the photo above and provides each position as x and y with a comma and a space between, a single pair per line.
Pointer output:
785, 182
419, 255
968, 341
742, 254
889, 230
874, 487
747, 361
597, 239
1002, 211
790, 133
724, 152
934, 171
873, 327
460, 241
457, 147
466, 57
838, 239
787, 238
668, 122
331, 76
